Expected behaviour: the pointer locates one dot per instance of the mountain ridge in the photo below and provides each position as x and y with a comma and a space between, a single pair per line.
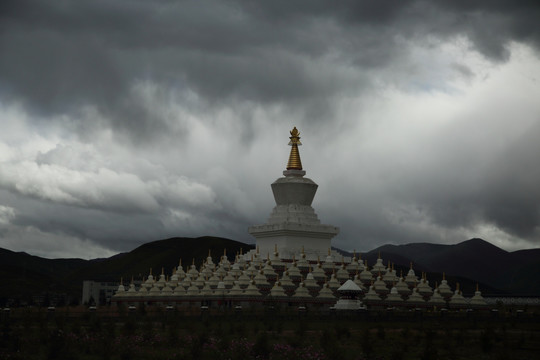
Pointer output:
470, 261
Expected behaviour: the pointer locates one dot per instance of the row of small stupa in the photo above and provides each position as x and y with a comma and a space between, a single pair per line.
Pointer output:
296, 281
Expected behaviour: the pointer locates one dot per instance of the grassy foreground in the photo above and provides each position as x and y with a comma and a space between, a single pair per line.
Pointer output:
33, 334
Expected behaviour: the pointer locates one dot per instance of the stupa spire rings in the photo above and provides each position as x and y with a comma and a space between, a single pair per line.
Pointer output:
294, 158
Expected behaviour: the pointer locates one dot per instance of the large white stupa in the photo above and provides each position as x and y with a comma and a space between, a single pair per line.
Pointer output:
293, 226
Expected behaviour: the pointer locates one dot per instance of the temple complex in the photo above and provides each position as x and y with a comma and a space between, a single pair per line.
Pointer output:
293, 265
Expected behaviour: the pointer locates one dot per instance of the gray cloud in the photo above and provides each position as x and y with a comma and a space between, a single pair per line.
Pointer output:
168, 115
60, 56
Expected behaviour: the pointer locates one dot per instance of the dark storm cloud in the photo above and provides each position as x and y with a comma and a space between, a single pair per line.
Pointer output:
471, 181
512, 192
58, 56
193, 86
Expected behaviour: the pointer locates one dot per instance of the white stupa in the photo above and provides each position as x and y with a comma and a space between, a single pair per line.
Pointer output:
293, 223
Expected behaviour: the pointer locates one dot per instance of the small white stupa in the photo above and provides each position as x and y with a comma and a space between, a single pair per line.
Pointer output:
348, 296
477, 300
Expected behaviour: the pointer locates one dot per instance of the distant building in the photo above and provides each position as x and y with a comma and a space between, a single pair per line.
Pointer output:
99, 293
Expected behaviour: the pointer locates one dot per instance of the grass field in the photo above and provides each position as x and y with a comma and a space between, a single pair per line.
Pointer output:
157, 334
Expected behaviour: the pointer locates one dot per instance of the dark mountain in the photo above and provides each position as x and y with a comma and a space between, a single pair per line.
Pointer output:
160, 254
476, 259
26, 276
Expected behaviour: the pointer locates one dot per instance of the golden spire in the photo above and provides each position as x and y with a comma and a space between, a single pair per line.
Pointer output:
294, 158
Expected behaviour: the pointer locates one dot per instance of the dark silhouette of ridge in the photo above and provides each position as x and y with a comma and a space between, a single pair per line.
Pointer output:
160, 254
26, 275
475, 259
468, 262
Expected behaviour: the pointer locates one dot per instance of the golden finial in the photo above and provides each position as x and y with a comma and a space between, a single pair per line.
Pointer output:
294, 158
411, 265
443, 276
477, 287
150, 271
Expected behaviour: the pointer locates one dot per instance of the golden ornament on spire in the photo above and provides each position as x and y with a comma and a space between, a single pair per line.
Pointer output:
294, 158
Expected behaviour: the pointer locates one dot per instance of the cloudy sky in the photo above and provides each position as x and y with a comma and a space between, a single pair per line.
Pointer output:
124, 122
